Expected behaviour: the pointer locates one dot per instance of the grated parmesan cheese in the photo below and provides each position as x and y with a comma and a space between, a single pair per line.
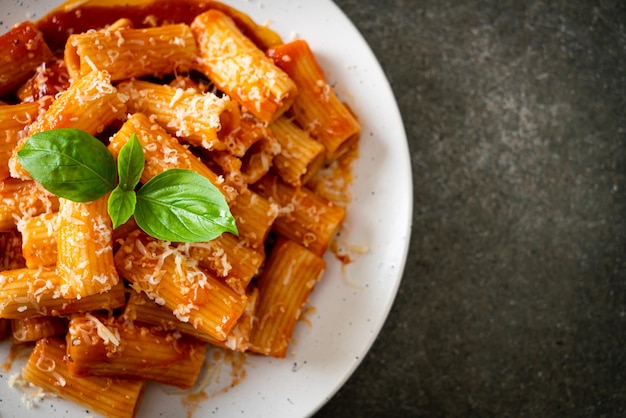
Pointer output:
104, 332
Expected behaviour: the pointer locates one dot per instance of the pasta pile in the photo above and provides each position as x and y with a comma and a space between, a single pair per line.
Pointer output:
108, 309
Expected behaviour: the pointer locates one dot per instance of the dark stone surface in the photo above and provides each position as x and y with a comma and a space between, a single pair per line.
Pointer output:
513, 302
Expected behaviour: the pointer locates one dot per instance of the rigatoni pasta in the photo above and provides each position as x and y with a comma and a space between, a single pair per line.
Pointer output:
317, 108
85, 248
284, 287
259, 158
126, 52
142, 309
204, 120
173, 279
28, 292
214, 95
231, 259
111, 347
300, 156
111, 397
240, 69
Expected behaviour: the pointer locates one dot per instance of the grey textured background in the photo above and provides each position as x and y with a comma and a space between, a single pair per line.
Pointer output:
513, 302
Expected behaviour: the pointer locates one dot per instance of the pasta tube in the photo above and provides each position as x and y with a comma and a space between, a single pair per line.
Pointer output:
239, 68
173, 279
140, 308
255, 216
284, 287
300, 156
259, 158
317, 108
111, 397
113, 347
85, 248
126, 52
18, 116
201, 119
36, 292
228, 165
248, 133
230, 259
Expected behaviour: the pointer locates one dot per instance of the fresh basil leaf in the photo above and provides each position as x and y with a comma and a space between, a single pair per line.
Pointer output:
130, 163
69, 163
182, 206
121, 205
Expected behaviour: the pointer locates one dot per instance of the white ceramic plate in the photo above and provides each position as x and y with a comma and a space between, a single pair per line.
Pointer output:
351, 302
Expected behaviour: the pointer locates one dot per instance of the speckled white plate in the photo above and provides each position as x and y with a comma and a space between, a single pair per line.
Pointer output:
351, 302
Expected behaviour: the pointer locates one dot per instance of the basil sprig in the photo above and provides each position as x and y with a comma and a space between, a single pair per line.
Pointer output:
123, 199
176, 205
